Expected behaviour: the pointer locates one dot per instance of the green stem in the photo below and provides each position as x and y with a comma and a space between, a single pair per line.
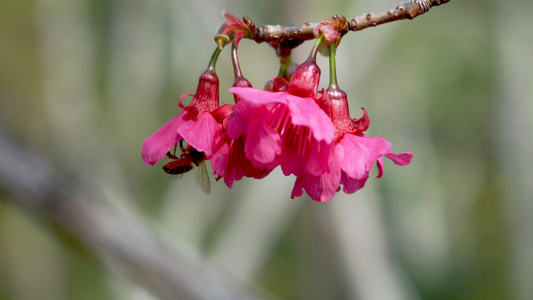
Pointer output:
285, 63
316, 46
214, 58
332, 68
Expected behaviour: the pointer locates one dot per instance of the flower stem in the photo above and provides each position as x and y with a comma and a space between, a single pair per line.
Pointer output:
235, 60
316, 46
285, 63
332, 68
214, 58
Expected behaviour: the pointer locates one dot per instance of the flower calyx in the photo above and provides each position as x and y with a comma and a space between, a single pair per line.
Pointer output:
334, 102
305, 80
333, 29
231, 26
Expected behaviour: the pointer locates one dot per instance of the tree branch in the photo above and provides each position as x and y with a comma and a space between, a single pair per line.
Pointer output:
405, 10
110, 227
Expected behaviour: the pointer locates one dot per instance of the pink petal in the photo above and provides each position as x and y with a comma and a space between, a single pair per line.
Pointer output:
237, 122
305, 112
401, 159
232, 172
157, 145
201, 133
361, 152
318, 155
320, 188
352, 185
380, 166
263, 143
314, 161
229, 161
222, 113
291, 162
259, 97
219, 160
239, 165
297, 190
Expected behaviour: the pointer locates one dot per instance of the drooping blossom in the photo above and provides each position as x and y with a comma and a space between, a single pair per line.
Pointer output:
199, 124
228, 160
354, 153
285, 128
290, 124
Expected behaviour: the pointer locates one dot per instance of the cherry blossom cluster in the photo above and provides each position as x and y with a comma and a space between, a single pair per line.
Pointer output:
289, 123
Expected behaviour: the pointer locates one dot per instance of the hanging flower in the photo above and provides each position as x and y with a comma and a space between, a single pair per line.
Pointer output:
354, 153
282, 129
291, 124
285, 127
199, 124
228, 160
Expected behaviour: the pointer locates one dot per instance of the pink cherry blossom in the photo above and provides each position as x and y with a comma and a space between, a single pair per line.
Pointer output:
282, 129
229, 160
354, 153
285, 127
199, 125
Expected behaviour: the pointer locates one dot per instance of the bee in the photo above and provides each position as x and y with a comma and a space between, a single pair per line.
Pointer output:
184, 163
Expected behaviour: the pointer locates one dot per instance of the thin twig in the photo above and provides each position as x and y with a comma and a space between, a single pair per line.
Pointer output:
110, 227
403, 11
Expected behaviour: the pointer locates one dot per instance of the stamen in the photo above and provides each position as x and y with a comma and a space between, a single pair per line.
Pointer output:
278, 118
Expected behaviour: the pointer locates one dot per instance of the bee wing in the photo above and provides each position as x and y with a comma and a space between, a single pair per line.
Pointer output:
202, 177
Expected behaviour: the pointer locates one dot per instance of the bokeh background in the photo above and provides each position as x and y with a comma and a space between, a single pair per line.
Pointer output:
83, 83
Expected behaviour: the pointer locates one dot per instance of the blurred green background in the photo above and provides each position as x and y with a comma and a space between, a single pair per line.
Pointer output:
85, 82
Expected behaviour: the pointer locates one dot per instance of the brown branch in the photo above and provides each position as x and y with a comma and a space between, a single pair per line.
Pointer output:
109, 227
403, 11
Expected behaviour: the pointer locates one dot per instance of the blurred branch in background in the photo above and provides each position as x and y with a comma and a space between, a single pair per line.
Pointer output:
514, 129
110, 227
